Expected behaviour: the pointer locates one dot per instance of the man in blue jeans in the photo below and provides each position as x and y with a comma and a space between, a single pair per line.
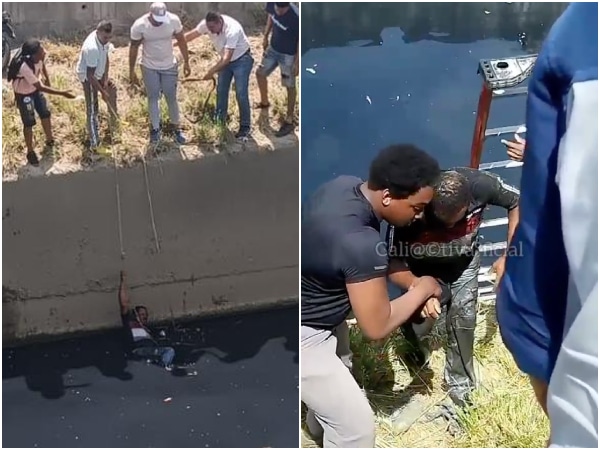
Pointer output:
230, 41
283, 24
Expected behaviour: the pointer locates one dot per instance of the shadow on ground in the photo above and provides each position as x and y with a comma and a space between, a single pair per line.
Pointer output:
240, 386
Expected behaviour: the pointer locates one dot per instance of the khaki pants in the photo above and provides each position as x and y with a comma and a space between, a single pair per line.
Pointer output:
338, 410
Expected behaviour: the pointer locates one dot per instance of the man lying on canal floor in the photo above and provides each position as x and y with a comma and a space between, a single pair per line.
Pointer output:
444, 245
135, 320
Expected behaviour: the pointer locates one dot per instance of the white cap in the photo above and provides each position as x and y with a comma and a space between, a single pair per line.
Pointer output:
158, 10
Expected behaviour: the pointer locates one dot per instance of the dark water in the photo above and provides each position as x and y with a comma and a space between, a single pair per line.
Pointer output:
240, 389
407, 72
417, 64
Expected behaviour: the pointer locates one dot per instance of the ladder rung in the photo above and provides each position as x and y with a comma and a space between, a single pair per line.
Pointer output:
492, 246
486, 290
501, 130
494, 222
508, 92
506, 164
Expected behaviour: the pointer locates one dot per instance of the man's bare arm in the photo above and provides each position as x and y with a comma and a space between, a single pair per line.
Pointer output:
123, 295
513, 221
134, 47
267, 32
225, 59
376, 315
400, 274
182, 43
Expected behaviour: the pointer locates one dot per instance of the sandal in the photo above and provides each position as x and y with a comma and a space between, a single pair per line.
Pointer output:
262, 106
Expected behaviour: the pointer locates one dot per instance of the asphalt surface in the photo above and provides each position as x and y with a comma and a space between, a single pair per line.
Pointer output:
239, 389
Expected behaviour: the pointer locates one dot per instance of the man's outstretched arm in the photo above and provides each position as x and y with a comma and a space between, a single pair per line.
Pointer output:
123, 295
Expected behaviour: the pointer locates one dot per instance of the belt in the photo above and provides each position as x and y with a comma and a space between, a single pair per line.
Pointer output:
241, 56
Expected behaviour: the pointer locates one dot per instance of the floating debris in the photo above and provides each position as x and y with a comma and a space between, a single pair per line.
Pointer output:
311, 70
522, 38
369, 100
486, 12
168, 400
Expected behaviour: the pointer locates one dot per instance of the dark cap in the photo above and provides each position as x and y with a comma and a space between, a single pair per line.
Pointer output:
282, 5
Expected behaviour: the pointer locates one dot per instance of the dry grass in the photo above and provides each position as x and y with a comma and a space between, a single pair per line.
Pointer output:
68, 117
506, 413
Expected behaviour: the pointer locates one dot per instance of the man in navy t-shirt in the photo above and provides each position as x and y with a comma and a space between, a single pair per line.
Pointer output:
283, 25
345, 268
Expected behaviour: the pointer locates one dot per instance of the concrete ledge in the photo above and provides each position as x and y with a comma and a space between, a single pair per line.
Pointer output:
227, 228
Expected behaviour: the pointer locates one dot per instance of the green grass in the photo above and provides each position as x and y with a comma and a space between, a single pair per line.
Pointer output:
131, 140
506, 413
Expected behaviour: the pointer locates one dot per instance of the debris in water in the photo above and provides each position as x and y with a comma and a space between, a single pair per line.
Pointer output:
522, 38
369, 100
311, 70
188, 407
485, 11
168, 400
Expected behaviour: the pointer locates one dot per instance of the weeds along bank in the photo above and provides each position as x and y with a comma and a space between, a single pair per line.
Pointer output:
131, 143
506, 413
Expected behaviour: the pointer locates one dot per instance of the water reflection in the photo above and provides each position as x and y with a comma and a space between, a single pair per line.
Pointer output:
391, 72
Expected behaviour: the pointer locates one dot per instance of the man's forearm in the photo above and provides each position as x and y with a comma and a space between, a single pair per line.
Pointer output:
403, 308
133, 52
106, 72
183, 47
403, 278
268, 27
513, 221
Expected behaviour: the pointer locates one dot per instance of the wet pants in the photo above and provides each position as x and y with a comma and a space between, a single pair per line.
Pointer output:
338, 410
461, 318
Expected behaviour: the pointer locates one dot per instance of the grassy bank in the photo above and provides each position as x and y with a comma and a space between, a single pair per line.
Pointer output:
506, 413
68, 116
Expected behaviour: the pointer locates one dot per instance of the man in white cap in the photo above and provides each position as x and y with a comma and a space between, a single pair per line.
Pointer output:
155, 32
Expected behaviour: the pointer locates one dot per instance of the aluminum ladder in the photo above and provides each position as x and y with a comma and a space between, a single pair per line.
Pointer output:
502, 78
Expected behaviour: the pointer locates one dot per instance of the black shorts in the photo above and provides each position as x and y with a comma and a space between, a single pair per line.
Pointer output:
29, 104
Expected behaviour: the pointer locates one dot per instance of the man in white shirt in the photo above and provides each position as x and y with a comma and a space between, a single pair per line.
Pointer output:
230, 41
93, 72
155, 32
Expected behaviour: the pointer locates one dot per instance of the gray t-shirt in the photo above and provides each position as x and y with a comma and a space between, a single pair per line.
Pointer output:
157, 41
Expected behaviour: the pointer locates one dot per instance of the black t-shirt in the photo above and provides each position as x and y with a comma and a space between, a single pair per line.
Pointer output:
430, 248
341, 243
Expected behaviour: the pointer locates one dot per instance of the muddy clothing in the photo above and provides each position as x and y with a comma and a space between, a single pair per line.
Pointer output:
341, 243
430, 248
451, 255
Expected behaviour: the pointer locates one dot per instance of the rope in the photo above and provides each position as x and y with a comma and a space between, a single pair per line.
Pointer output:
205, 104
153, 222
119, 216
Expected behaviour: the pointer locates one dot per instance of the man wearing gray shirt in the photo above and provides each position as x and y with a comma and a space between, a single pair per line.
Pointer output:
155, 32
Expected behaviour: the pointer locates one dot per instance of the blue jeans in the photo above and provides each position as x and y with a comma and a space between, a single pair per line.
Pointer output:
272, 59
164, 354
238, 70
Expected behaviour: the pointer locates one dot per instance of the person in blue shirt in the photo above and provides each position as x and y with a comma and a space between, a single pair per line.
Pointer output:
547, 303
283, 28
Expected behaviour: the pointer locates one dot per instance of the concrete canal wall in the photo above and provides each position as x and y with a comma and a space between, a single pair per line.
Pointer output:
227, 229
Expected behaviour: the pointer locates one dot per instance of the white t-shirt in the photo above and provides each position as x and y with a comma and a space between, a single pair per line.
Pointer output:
157, 42
93, 54
231, 37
